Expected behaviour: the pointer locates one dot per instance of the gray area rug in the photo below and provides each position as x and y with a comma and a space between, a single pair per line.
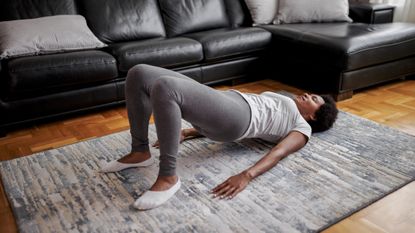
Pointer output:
337, 173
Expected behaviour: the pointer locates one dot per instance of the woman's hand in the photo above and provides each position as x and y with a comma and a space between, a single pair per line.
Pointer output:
232, 186
235, 184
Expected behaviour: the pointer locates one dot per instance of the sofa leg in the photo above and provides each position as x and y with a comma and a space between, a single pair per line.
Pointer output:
3, 133
410, 77
238, 81
343, 96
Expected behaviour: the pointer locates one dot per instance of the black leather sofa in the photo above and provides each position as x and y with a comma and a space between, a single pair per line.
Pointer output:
208, 40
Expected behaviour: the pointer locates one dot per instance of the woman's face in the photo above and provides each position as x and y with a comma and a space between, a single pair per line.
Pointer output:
308, 105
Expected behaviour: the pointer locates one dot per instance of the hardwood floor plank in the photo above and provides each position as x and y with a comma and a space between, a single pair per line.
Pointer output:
51, 144
4, 204
394, 213
7, 222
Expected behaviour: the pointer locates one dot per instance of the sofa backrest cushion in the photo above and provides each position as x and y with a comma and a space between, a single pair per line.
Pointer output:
121, 20
238, 13
184, 16
28, 9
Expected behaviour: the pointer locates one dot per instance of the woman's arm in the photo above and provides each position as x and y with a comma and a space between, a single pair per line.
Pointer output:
185, 134
190, 133
235, 184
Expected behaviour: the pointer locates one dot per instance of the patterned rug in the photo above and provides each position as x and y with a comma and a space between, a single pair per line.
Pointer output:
339, 172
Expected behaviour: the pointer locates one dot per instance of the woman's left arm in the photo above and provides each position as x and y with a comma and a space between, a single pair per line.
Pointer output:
235, 184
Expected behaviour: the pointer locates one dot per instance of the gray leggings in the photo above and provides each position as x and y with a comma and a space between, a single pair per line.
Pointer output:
219, 115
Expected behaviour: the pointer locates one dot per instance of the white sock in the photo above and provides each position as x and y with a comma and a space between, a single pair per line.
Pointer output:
153, 199
115, 166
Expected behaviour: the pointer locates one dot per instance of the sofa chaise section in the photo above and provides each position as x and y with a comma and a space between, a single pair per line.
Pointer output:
339, 58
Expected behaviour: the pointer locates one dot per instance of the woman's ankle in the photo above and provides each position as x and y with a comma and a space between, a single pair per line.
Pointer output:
135, 157
164, 182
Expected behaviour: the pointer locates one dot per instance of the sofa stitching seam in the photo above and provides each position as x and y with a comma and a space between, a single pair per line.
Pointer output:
61, 66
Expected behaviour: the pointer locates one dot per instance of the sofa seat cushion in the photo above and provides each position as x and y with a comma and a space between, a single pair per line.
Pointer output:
224, 43
159, 52
344, 46
37, 75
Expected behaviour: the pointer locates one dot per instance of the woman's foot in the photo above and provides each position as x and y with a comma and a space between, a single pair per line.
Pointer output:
134, 159
164, 183
162, 190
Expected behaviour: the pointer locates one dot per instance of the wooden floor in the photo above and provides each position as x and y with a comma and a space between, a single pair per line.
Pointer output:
391, 104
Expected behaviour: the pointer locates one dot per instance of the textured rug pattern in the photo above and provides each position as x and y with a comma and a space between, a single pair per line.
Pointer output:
337, 173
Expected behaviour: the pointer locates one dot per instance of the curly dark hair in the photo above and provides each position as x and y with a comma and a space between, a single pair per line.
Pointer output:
325, 115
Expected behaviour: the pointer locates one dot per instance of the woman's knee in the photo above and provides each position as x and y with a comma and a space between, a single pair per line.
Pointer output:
138, 74
167, 87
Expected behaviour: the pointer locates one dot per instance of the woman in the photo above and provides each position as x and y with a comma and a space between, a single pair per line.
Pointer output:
219, 115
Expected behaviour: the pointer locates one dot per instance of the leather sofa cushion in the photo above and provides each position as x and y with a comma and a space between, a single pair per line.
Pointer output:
159, 52
225, 42
187, 16
25, 9
238, 13
38, 75
120, 20
345, 46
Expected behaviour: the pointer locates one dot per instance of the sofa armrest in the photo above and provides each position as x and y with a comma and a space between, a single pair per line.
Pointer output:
371, 13
2, 86
1, 70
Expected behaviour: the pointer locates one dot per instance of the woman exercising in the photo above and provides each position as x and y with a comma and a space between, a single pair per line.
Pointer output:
223, 116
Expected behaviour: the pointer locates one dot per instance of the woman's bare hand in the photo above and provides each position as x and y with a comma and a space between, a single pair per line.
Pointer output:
232, 186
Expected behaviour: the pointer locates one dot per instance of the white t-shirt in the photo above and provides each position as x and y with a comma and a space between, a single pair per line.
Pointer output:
273, 117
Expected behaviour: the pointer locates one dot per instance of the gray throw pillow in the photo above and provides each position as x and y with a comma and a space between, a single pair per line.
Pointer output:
45, 35
308, 11
262, 11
